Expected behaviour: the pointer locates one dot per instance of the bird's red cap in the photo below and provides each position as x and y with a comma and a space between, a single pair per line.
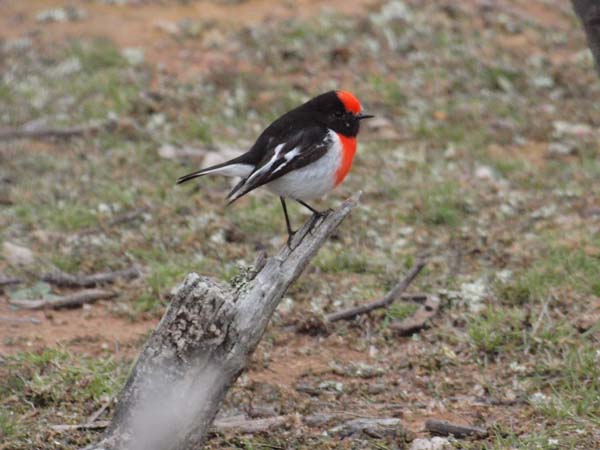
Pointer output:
350, 102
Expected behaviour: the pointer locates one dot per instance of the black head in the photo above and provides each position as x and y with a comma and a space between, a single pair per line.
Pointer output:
339, 110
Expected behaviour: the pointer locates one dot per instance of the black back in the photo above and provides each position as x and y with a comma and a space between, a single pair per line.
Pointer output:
324, 111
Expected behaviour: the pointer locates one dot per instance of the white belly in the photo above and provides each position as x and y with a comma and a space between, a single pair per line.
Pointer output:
311, 181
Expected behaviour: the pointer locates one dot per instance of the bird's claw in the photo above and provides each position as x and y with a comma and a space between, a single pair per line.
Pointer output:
316, 217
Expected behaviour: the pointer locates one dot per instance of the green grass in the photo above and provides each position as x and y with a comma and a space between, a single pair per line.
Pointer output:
336, 261
96, 55
557, 269
497, 331
442, 205
55, 386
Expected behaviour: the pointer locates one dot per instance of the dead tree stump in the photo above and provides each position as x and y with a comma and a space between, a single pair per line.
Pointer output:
201, 345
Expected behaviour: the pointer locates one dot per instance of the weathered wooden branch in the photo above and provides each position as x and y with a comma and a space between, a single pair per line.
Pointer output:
389, 298
60, 278
67, 301
8, 281
443, 428
202, 344
589, 14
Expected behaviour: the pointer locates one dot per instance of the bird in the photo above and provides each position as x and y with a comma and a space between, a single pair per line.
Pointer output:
302, 155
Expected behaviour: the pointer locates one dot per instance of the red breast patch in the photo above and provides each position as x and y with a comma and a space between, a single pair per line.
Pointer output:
348, 151
350, 102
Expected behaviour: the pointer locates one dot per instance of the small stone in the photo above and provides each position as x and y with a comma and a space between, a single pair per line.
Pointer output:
484, 173
538, 399
434, 443
561, 149
167, 27
66, 14
167, 151
17, 255
504, 276
103, 208
562, 128
17, 45
474, 294
332, 386
395, 10
133, 55
450, 152
544, 212
542, 81
286, 305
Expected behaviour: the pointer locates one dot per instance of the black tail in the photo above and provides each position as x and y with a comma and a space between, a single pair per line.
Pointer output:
189, 176
199, 173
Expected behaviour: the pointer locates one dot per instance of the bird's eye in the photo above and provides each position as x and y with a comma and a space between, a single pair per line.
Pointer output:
338, 114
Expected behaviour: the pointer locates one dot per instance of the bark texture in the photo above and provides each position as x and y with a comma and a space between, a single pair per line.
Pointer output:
202, 344
589, 14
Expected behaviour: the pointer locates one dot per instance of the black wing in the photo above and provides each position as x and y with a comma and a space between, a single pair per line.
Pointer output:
281, 157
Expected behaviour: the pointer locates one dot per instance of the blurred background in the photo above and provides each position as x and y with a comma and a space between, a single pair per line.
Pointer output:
484, 153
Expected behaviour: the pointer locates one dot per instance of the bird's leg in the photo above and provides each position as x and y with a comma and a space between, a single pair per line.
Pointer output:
287, 223
316, 214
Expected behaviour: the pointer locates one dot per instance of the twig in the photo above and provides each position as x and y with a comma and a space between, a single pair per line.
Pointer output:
42, 133
443, 428
419, 319
101, 424
76, 299
394, 293
21, 320
7, 281
122, 125
243, 425
238, 424
94, 417
60, 278
127, 217
121, 219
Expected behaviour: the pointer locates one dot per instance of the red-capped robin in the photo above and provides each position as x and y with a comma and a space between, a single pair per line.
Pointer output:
302, 155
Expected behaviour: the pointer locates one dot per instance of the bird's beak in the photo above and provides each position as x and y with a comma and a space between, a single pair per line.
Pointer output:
362, 116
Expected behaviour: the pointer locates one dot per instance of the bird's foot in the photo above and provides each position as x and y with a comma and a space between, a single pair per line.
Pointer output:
316, 217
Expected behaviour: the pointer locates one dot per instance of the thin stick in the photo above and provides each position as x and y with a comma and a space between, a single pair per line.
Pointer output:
59, 278
443, 428
243, 425
389, 298
21, 320
101, 424
236, 424
94, 417
76, 299
127, 217
42, 133
7, 281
